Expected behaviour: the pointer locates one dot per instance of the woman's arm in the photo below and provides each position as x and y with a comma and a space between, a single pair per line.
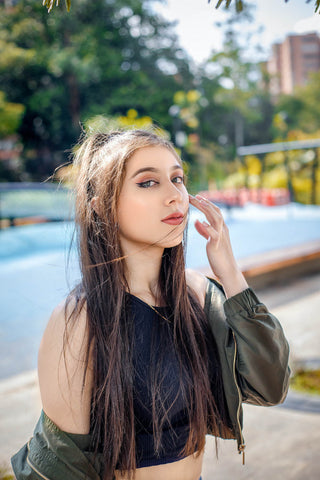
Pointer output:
61, 361
51, 452
251, 342
262, 349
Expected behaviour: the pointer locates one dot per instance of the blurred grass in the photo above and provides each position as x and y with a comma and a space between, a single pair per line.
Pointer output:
5, 474
307, 381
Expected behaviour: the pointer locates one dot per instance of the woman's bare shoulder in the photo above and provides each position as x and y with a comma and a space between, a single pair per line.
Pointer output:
60, 331
61, 368
198, 282
59, 325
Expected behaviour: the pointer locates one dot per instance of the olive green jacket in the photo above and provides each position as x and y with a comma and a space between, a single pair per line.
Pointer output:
254, 360
253, 352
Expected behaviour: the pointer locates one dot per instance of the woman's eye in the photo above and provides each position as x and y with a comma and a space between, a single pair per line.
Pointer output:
146, 184
150, 183
179, 179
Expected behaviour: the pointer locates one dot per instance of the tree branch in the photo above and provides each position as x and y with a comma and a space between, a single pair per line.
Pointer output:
50, 4
240, 4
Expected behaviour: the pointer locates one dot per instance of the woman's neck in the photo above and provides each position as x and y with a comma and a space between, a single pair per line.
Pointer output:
142, 274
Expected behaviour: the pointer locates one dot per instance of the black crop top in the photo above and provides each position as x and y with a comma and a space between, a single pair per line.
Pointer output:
151, 333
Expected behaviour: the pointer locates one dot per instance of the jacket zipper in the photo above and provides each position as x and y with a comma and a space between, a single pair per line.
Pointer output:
242, 446
33, 467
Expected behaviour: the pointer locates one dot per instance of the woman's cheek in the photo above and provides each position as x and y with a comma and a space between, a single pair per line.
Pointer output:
131, 211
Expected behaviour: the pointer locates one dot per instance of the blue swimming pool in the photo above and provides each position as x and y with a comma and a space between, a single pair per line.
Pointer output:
34, 277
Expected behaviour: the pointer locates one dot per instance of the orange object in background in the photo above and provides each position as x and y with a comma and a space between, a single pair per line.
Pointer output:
233, 197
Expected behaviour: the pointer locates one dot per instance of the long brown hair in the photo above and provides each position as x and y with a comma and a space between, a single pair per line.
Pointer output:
100, 162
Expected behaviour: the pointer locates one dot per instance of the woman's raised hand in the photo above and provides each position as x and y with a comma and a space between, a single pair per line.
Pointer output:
219, 250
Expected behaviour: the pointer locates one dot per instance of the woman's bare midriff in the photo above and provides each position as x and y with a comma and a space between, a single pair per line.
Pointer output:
188, 468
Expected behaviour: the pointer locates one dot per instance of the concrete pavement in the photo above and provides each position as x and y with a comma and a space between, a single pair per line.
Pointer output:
282, 442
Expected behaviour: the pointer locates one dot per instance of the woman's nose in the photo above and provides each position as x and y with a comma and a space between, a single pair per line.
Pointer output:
173, 194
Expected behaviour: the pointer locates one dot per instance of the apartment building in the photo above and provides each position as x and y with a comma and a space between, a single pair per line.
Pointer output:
292, 61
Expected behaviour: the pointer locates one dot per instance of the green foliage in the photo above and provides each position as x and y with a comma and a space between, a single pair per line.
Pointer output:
50, 4
10, 116
301, 110
115, 59
239, 4
101, 58
236, 106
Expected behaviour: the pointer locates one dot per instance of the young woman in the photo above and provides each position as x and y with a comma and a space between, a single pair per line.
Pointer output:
144, 358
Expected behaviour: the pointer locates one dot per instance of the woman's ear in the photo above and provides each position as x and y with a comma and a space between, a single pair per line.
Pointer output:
95, 204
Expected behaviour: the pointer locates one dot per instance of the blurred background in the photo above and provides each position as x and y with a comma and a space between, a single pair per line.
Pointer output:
238, 94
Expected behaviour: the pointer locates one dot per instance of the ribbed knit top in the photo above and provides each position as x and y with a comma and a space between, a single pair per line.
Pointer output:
153, 344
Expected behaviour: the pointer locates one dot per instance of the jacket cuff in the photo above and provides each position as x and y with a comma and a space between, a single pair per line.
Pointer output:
246, 301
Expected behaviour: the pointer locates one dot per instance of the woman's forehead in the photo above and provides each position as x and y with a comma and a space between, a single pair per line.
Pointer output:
154, 156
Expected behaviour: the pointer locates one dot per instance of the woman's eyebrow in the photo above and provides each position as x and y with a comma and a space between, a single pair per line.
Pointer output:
153, 169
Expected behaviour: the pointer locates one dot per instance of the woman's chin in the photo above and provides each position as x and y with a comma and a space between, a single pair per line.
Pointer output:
174, 242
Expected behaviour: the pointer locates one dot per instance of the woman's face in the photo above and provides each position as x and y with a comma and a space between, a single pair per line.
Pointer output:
153, 189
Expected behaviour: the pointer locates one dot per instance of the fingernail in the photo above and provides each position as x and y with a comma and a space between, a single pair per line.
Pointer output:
205, 224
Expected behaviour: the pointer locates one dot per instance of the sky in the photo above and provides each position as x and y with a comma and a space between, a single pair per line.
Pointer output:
198, 36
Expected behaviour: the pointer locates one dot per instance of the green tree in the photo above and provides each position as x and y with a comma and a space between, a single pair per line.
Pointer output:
10, 116
301, 111
238, 111
104, 57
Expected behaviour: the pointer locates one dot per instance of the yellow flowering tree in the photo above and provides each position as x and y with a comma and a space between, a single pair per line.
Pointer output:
188, 107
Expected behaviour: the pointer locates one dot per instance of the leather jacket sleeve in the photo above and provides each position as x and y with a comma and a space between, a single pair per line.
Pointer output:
262, 350
245, 329
51, 455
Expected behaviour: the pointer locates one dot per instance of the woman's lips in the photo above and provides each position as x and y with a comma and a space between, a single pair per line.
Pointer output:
173, 220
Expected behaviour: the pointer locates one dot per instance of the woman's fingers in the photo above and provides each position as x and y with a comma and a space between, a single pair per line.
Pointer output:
211, 211
219, 250
201, 229
206, 230
203, 204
